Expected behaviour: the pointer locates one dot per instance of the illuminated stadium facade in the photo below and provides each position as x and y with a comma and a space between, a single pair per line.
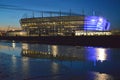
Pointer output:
65, 25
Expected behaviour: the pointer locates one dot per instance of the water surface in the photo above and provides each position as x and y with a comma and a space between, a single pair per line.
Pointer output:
23, 61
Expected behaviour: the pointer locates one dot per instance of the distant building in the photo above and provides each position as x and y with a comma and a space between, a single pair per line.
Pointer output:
9, 28
16, 33
63, 25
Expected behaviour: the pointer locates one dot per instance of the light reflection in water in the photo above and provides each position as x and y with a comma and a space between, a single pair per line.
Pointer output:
25, 46
13, 67
14, 59
54, 50
55, 67
13, 44
101, 54
49, 49
102, 76
25, 65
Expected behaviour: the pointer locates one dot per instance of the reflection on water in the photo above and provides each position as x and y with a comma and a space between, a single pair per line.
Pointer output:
25, 46
25, 65
54, 50
55, 67
98, 54
101, 54
13, 59
11, 48
68, 52
101, 76
13, 44
77, 60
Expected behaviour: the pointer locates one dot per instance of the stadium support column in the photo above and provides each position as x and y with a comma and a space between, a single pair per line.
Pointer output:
53, 28
28, 31
60, 23
69, 24
39, 27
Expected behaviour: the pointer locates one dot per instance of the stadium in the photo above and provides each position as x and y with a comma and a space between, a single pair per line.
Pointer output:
66, 25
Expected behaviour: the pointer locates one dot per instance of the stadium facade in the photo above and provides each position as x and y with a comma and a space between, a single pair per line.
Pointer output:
65, 25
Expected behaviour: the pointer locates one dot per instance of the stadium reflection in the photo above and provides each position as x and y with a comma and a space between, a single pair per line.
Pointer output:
68, 53
58, 62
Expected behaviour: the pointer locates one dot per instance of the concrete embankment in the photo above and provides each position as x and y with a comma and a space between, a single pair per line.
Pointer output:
96, 41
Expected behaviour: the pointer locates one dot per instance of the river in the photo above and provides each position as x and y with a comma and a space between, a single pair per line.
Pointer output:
25, 61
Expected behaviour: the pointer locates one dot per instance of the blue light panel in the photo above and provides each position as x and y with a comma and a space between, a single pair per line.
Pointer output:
96, 23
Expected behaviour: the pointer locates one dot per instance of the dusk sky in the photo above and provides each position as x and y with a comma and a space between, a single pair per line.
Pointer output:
110, 9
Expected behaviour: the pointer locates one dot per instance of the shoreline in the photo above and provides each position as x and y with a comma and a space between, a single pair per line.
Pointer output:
94, 41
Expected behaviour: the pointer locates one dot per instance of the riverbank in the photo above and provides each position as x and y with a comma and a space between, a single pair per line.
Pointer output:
95, 41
